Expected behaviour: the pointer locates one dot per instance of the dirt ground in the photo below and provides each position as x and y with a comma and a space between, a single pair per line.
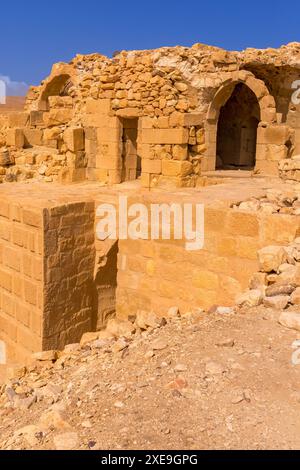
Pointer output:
206, 381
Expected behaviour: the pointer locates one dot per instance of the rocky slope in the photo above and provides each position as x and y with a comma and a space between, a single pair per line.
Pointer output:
203, 381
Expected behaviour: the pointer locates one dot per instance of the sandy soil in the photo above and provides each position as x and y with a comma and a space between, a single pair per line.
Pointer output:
206, 381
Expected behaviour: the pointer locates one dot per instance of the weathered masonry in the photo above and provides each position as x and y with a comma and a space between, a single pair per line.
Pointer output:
169, 123
164, 116
58, 281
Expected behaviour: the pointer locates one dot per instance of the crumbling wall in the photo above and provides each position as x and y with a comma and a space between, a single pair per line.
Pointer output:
93, 93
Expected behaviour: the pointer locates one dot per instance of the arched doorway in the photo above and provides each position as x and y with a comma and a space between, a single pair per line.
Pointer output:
231, 87
58, 86
237, 130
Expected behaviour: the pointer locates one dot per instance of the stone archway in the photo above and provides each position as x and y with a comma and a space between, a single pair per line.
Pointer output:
237, 130
263, 115
59, 85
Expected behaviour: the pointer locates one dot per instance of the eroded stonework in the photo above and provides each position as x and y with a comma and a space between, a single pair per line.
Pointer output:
155, 114
164, 120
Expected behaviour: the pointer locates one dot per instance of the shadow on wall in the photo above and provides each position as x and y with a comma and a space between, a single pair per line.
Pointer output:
105, 288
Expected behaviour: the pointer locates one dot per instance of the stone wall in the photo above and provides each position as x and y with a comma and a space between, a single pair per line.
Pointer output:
47, 258
72, 127
69, 258
21, 278
160, 274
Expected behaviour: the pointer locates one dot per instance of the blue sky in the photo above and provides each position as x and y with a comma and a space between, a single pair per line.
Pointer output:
35, 34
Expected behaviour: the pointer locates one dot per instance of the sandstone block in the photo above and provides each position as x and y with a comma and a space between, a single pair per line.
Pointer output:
60, 101
165, 136
33, 137
180, 152
258, 280
128, 112
36, 118
56, 117
152, 166
271, 257
74, 139
52, 133
100, 106
15, 138
176, 168
19, 119
242, 223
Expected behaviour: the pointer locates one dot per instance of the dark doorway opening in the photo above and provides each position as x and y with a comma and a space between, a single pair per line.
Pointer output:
237, 130
131, 161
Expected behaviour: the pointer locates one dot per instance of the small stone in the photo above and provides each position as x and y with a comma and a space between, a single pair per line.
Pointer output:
159, 345
86, 424
149, 354
180, 368
237, 398
251, 298
224, 310
119, 404
290, 320
280, 290
279, 302
119, 346
16, 372
89, 337
24, 403
253, 205
173, 312
120, 328
51, 391
295, 297
271, 257
54, 418
72, 348
214, 368
240, 396
42, 170
92, 444
146, 320
30, 433
258, 280
226, 343
177, 384
46, 356
66, 441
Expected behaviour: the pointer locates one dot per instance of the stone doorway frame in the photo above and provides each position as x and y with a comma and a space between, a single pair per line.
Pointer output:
228, 83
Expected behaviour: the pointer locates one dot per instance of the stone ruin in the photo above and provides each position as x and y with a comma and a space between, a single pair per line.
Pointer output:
172, 120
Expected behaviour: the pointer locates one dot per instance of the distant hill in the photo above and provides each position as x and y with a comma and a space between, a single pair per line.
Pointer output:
13, 103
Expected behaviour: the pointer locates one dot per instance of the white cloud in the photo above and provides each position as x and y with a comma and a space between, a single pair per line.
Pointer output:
14, 88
